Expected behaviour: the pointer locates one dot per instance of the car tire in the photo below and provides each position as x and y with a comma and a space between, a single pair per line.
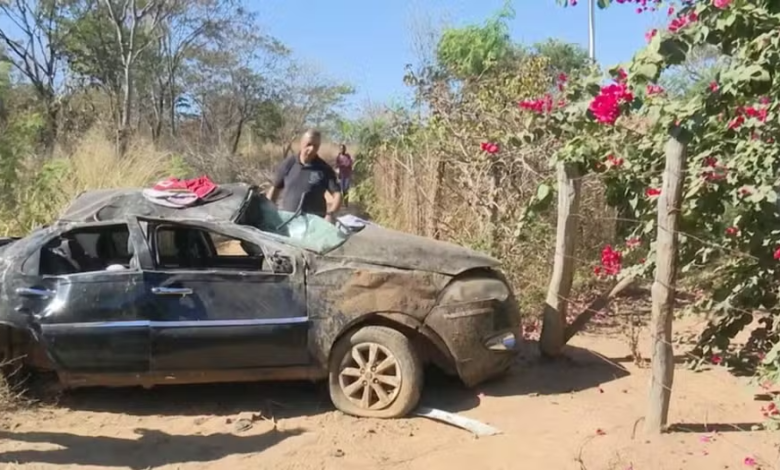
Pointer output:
370, 361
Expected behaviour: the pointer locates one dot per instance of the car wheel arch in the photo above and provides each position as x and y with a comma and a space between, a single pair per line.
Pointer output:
428, 342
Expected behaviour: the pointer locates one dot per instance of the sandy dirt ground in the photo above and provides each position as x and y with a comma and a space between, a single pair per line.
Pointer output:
582, 413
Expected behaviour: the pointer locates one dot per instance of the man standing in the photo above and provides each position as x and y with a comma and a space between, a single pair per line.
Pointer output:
307, 180
344, 168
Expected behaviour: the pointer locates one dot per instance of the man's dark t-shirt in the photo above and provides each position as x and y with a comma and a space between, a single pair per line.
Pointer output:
312, 180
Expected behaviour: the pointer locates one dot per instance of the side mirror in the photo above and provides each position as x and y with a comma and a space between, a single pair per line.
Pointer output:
280, 264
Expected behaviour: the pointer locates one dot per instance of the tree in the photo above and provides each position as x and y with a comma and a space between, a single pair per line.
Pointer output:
36, 51
191, 26
107, 39
563, 57
232, 89
474, 50
700, 68
728, 216
306, 98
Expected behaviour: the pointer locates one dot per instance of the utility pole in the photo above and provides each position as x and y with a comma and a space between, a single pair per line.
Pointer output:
592, 30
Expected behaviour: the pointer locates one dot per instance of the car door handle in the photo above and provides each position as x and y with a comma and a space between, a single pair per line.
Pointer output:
171, 291
33, 292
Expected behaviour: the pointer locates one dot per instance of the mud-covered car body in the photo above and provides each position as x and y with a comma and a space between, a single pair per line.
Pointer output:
175, 307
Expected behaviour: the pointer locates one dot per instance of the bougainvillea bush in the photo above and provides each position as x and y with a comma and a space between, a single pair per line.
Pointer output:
730, 223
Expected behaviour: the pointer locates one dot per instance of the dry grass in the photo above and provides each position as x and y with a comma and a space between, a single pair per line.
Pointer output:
13, 393
45, 188
95, 165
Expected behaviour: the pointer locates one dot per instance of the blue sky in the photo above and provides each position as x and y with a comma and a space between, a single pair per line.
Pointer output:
367, 42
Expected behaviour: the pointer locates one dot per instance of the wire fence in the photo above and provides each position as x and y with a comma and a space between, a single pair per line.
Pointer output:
762, 461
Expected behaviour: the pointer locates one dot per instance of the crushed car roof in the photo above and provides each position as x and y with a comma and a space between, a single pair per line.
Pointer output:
115, 204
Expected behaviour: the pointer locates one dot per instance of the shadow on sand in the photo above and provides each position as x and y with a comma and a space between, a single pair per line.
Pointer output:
151, 450
580, 369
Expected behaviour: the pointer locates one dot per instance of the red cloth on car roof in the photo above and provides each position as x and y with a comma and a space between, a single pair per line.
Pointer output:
201, 186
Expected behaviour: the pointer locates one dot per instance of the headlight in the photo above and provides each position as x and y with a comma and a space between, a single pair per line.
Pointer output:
474, 290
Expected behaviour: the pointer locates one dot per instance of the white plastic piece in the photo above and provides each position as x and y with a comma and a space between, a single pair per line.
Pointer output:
475, 427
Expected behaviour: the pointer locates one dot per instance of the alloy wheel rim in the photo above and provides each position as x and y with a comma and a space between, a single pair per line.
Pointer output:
370, 377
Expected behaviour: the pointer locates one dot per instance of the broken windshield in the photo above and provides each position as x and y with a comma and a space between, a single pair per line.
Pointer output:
304, 230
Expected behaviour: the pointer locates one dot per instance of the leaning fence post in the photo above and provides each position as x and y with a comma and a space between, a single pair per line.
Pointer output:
663, 291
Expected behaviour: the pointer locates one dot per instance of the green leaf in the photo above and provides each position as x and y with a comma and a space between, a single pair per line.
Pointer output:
649, 71
673, 50
543, 192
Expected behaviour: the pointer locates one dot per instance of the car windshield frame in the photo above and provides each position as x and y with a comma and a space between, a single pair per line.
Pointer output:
307, 231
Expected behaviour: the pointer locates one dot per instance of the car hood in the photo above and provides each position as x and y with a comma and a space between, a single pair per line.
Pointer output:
382, 246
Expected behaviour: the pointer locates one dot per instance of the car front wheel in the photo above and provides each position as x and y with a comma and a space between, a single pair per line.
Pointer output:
375, 372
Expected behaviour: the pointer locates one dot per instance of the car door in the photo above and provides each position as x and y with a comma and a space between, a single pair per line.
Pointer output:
215, 308
89, 319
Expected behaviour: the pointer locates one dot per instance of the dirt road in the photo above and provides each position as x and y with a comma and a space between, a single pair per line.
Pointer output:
576, 415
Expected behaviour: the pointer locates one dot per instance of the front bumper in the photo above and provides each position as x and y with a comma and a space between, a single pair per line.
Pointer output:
483, 337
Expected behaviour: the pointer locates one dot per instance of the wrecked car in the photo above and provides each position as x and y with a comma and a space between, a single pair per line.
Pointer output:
123, 292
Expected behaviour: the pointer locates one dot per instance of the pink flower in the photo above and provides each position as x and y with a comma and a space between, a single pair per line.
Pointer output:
682, 21
714, 87
759, 114
750, 462
614, 161
776, 255
611, 261
716, 359
722, 4
737, 122
650, 34
489, 147
633, 242
600, 432
705, 438
731, 231
654, 89
652, 192
606, 106
540, 105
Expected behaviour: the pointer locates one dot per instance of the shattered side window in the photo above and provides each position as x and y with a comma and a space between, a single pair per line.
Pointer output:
313, 232
306, 231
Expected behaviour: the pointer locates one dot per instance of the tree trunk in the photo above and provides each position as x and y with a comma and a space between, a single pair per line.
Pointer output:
172, 110
52, 127
493, 214
123, 133
553, 336
595, 307
434, 230
237, 137
663, 290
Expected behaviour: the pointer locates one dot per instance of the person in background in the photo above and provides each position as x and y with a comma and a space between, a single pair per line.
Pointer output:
308, 181
344, 169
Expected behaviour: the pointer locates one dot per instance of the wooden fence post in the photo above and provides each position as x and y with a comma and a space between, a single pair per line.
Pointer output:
663, 291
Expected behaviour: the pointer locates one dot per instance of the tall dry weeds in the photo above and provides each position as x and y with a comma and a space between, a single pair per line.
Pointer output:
44, 187
94, 164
